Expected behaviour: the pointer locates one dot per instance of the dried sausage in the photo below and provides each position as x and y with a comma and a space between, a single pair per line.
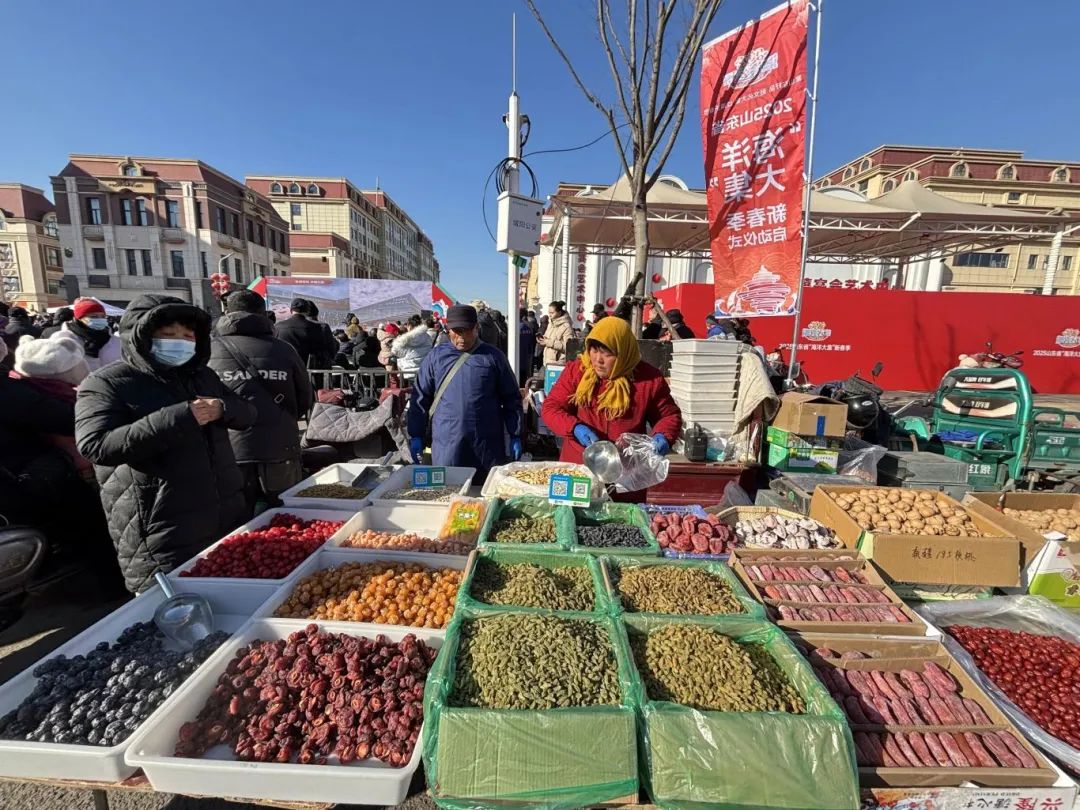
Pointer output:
1001, 751
927, 711
952, 749
898, 688
882, 685
908, 751
918, 745
1017, 748
978, 714
940, 680
892, 749
854, 711
982, 756
958, 709
871, 754
942, 710
937, 751
915, 683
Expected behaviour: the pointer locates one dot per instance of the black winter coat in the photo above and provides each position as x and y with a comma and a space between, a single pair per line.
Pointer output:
311, 339
281, 397
169, 487
16, 328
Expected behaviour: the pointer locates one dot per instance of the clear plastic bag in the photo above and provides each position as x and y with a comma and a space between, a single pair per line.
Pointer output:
1027, 614
642, 466
860, 459
531, 478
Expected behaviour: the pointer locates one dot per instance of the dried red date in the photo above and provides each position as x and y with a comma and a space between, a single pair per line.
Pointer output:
268, 553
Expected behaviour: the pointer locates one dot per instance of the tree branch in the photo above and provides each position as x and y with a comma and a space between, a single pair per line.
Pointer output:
603, 19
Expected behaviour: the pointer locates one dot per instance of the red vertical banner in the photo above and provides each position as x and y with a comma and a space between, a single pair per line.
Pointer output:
753, 109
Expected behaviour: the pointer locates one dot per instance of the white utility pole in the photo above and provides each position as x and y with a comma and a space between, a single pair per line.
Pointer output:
1054, 257
513, 127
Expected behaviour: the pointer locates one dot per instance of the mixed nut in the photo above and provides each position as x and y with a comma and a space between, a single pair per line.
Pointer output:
906, 511
1064, 521
535, 586
674, 589
316, 698
518, 661
706, 670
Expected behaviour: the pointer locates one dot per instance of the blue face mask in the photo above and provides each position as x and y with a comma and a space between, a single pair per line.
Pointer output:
172, 351
97, 323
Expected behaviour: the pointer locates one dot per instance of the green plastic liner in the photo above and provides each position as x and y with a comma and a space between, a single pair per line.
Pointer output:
525, 505
700, 760
558, 759
548, 559
627, 513
753, 609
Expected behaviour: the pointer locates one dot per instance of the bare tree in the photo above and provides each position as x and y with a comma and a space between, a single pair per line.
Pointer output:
651, 55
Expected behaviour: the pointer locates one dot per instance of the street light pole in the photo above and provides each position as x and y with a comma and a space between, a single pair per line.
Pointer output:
513, 127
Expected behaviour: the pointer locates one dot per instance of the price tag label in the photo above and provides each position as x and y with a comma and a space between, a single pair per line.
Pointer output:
570, 490
428, 477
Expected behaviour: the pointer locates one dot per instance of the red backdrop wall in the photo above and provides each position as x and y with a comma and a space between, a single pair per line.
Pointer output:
917, 335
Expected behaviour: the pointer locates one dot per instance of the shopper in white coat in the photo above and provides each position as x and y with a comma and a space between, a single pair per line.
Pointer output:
412, 347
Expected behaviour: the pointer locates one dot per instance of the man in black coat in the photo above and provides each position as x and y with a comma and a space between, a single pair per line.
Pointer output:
155, 425
242, 347
19, 324
62, 316
307, 335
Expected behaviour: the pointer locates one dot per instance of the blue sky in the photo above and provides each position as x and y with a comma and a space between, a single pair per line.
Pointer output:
413, 92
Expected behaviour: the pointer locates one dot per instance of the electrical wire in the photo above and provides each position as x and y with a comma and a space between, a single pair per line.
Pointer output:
578, 148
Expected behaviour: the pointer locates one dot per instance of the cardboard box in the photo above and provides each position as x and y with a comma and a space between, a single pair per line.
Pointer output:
941, 560
986, 503
811, 415
827, 560
894, 655
1057, 573
790, 451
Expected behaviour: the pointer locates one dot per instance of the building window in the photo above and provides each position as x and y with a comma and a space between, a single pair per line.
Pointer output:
234, 220
313, 189
132, 266
849, 173
52, 257
176, 258
958, 170
1066, 263
888, 185
1007, 172
295, 209
296, 226
238, 268
93, 210
996, 261
864, 165
198, 214
99, 259
259, 235
131, 170
202, 264
1033, 261
144, 215
275, 187
1060, 175
912, 175
863, 185
1012, 197
295, 189
147, 265
219, 220
250, 231
127, 212
172, 214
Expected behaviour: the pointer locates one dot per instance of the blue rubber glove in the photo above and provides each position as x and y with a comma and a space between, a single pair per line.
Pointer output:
515, 448
585, 435
660, 444
416, 447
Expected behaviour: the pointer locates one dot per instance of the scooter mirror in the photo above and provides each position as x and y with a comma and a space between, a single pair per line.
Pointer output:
876, 370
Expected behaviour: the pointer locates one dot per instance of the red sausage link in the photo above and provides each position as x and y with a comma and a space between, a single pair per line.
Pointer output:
982, 756
1017, 748
918, 745
898, 688
900, 713
927, 711
977, 712
937, 751
952, 749
940, 680
942, 710
840, 575
958, 709
882, 685
894, 757
965, 748
862, 684
877, 749
882, 705
1000, 751
915, 683
854, 711
908, 751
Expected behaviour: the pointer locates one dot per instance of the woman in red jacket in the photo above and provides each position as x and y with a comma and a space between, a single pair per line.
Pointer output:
609, 391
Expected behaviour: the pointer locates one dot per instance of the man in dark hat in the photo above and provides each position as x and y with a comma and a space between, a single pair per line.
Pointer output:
465, 392
676, 318
304, 333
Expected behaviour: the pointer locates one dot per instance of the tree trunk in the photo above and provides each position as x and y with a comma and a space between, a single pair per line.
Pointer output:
641, 252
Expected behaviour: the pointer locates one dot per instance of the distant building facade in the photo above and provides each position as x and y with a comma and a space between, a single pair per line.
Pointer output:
1000, 178
407, 252
31, 262
131, 225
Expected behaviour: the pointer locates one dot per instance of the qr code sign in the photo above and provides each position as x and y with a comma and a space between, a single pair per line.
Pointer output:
421, 478
581, 490
560, 488
438, 477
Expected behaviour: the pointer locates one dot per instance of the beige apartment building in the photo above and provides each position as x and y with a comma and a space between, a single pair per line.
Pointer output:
341, 231
986, 177
31, 264
132, 225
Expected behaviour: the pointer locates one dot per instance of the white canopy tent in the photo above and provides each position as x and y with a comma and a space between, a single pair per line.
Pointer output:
110, 310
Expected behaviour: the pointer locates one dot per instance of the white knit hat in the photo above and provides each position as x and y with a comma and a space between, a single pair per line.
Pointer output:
59, 357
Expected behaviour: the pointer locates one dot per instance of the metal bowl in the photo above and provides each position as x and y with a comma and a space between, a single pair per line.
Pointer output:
603, 461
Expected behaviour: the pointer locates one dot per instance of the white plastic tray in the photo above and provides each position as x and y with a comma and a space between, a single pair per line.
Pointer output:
700, 346
703, 364
219, 774
399, 517
222, 585
329, 557
334, 474
706, 392
93, 763
458, 480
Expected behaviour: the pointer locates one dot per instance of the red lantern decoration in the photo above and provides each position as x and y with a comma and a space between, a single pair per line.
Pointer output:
657, 278
610, 303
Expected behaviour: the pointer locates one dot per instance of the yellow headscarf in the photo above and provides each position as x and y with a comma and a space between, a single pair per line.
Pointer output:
616, 335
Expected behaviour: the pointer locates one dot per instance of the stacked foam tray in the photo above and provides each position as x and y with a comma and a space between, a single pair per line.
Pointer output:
704, 380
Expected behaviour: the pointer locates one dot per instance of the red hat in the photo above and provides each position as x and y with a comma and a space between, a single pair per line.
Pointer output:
392, 329
87, 306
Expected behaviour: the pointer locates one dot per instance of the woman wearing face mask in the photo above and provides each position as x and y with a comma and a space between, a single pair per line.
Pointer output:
155, 427
609, 391
91, 326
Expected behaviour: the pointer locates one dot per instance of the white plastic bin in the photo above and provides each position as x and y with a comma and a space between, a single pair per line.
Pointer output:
328, 557
334, 474
37, 760
219, 774
458, 480
396, 517
221, 585
699, 346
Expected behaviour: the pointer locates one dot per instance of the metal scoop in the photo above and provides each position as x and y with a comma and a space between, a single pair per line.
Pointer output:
186, 618
603, 460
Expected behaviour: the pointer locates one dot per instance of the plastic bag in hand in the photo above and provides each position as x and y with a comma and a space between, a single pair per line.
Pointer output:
642, 466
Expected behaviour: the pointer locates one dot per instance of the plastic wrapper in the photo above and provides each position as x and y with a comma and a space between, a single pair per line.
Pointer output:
524, 505
643, 467
548, 559
502, 483
629, 514
558, 759
1027, 614
859, 459
734, 495
696, 760
464, 520
691, 509
752, 609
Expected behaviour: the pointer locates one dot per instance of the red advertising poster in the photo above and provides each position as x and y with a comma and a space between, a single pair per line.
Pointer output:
753, 106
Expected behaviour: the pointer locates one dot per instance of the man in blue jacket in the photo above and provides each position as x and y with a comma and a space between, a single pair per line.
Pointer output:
468, 392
